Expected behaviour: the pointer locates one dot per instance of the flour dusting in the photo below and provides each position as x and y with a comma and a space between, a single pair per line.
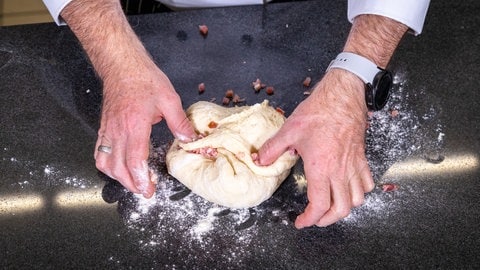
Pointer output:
180, 223
395, 133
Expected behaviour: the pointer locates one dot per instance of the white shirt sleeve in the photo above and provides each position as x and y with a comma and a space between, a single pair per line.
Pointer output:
55, 7
412, 13
208, 3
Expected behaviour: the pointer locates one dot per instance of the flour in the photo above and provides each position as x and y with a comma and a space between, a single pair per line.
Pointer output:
143, 204
377, 206
50, 175
205, 225
189, 229
184, 226
189, 216
47, 170
392, 138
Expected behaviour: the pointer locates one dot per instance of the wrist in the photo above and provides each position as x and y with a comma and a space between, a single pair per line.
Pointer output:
128, 68
377, 81
375, 37
111, 45
343, 89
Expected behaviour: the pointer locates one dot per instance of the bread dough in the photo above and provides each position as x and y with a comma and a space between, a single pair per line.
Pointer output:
219, 166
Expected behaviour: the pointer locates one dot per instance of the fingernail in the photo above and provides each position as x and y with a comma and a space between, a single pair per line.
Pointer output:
147, 195
142, 178
292, 151
299, 226
153, 176
184, 138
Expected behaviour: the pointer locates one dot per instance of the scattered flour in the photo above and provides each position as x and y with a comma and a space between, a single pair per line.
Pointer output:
392, 137
175, 215
47, 170
205, 225
46, 175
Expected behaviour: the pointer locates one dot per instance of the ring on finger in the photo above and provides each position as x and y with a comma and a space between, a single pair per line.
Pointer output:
104, 149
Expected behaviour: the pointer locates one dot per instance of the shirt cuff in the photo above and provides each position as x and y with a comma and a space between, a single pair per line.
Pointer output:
412, 13
208, 3
55, 7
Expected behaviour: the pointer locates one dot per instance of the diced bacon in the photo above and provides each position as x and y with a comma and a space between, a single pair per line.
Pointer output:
307, 81
236, 99
212, 124
258, 85
229, 93
394, 113
203, 29
225, 101
206, 152
389, 187
270, 90
280, 110
201, 88
240, 155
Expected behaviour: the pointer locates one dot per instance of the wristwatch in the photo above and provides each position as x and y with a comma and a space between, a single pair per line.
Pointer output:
378, 81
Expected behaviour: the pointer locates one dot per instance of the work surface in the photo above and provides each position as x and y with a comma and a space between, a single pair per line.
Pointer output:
57, 211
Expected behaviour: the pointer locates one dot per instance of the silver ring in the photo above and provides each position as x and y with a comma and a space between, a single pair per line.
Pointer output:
105, 149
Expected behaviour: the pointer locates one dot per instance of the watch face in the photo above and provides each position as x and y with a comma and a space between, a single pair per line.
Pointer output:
380, 90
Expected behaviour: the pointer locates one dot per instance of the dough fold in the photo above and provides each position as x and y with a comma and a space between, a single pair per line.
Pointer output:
229, 177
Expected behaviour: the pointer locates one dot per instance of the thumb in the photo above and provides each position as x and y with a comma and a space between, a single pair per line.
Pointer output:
180, 125
271, 150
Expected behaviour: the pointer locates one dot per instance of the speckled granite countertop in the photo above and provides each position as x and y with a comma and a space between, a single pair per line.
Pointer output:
57, 211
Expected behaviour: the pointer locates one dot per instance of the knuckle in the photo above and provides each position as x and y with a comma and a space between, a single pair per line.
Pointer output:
129, 163
342, 212
369, 186
358, 201
265, 149
320, 207
132, 164
172, 97
101, 165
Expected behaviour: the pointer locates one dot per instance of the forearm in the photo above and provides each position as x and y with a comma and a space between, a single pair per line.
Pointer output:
375, 37
102, 29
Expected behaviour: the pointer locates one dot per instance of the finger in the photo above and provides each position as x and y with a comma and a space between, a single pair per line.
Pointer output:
272, 149
357, 193
179, 124
120, 173
141, 177
367, 178
136, 155
356, 183
113, 165
318, 193
341, 204
101, 140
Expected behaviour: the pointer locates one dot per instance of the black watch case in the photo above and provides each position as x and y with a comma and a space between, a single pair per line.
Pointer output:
378, 92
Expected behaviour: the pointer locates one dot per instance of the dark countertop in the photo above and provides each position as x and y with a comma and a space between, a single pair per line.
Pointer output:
53, 202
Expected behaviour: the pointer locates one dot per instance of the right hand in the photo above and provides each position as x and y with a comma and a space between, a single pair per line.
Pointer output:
328, 131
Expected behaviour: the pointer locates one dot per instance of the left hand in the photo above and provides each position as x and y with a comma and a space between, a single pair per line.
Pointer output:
328, 131
130, 108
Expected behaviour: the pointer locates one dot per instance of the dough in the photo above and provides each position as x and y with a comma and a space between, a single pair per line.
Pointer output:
219, 166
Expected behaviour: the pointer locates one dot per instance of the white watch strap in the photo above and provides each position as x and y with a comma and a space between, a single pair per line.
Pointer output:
358, 65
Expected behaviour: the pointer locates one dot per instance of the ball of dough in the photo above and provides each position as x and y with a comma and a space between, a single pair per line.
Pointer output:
219, 167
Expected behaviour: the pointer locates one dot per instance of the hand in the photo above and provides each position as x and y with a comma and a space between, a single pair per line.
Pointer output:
130, 107
136, 94
328, 131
